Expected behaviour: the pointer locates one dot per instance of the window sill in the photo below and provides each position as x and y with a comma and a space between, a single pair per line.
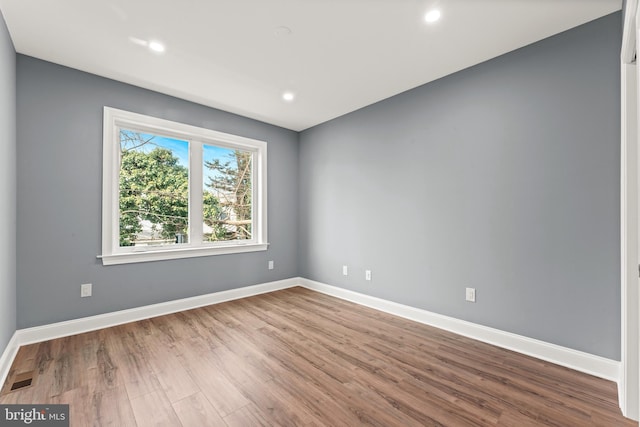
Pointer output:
168, 254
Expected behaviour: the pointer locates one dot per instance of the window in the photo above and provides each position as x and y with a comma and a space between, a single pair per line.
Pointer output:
172, 190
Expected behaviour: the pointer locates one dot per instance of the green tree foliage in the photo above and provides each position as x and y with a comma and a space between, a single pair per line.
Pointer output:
211, 212
153, 187
230, 182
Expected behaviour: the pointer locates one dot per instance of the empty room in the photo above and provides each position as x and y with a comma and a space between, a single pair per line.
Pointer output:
319, 213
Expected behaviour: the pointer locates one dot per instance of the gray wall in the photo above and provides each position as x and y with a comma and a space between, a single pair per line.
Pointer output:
503, 177
59, 122
7, 186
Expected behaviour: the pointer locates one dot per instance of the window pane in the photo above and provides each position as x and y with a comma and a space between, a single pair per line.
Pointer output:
227, 191
154, 189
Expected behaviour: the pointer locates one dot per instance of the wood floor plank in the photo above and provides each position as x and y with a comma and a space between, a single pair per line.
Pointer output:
78, 414
297, 357
110, 407
173, 376
154, 410
247, 416
280, 409
238, 343
512, 419
138, 377
130, 357
196, 410
217, 374
222, 393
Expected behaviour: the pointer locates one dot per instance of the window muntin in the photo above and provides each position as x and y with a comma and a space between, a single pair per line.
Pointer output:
150, 212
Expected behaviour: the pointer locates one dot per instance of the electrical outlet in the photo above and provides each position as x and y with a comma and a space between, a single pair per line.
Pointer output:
367, 275
85, 290
471, 294
345, 270
270, 265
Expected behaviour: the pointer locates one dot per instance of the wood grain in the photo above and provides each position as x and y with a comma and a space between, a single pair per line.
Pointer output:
196, 410
154, 410
297, 357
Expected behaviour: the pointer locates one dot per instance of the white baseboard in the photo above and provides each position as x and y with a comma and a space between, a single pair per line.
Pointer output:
6, 359
580, 361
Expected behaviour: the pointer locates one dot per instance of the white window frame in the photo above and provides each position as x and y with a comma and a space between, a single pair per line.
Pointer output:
113, 253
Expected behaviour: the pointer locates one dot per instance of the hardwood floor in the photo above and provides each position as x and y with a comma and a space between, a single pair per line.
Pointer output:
297, 357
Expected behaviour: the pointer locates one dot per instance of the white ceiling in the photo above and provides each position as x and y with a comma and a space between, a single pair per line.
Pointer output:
341, 55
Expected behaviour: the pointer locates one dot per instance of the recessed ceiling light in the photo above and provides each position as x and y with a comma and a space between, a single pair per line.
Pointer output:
432, 16
288, 96
156, 46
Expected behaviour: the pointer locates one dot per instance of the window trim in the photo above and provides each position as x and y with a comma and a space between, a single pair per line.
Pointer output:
112, 253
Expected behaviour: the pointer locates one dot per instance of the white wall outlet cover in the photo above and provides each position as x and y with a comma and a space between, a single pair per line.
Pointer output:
470, 294
271, 265
85, 290
345, 270
367, 275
